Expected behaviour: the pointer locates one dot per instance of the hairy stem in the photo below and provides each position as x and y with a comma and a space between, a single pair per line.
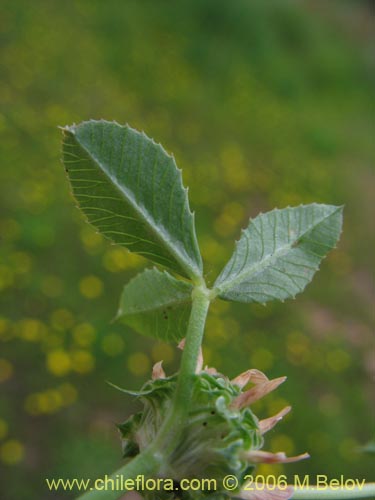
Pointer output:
191, 351
174, 424
149, 461
365, 491
145, 464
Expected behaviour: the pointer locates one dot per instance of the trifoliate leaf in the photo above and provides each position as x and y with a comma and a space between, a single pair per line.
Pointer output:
131, 190
279, 252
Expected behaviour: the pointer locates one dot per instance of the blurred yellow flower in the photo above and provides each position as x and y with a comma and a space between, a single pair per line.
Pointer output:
118, 259
138, 363
62, 319
91, 240
48, 401
113, 344
91, 287
82, 361
84, 334
31, 329
12, 452
58, 362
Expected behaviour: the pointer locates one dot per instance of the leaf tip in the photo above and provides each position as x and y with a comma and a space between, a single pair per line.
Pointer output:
71, 129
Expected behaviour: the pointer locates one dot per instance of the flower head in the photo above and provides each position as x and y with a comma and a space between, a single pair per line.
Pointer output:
222, 436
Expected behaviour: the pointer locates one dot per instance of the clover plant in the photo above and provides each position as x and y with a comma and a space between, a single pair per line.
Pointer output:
196, 423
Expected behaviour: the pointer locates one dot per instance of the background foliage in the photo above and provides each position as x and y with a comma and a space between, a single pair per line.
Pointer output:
263, 104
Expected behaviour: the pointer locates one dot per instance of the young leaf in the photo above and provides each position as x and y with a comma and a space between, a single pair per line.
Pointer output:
156, 304
279, 253
131, 190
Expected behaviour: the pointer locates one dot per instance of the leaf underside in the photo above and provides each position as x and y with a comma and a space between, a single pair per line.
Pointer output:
279, 253
131, 190
156, 304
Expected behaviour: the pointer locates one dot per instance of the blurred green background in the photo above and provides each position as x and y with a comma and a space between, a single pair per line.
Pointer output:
264, 104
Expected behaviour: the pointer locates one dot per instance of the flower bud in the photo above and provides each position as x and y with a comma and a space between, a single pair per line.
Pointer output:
222, 435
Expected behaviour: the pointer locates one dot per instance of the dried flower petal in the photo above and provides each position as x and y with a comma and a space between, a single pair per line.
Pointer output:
255, 376
181, 344
257, 392
210, 370
157, 371
268, 423
266, 457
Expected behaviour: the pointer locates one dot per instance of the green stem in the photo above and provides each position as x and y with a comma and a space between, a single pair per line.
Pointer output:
146, 464
174, 423
365, 491
191, 351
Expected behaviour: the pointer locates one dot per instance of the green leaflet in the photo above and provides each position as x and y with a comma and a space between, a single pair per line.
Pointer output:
279, 252
156, 304
131, 190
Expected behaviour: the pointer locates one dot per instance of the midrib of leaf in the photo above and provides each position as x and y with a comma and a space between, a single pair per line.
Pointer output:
156, 229
259, 266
